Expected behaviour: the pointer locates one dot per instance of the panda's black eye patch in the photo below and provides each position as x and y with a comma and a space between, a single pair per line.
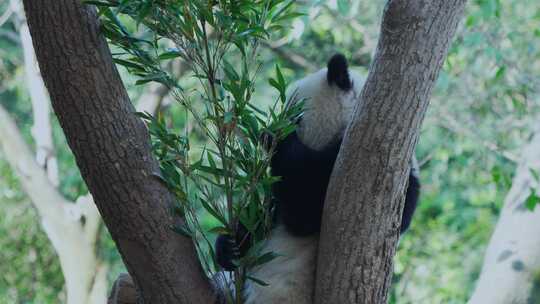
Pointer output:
338, 72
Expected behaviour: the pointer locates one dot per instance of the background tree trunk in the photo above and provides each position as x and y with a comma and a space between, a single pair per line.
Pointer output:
365, 197
73, 240
41, 131
511, 270
112, 149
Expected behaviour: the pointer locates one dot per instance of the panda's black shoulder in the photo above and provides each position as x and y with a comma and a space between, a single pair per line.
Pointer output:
338, 72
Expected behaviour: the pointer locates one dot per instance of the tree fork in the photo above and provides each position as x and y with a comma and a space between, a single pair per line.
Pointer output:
366, 192
112, 149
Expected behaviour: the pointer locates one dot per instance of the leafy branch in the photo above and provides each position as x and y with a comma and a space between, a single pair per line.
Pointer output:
228, 176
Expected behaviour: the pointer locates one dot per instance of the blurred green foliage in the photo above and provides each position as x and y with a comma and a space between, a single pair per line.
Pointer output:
481, 114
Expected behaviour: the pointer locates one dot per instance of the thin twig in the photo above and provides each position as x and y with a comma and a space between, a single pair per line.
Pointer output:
291, 57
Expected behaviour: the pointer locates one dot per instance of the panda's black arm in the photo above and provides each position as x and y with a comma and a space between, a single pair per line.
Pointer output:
411, 200
228, 249
292, 159
304, 173
293, 154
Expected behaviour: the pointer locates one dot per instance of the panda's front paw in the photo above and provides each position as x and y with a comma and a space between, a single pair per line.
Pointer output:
226, 252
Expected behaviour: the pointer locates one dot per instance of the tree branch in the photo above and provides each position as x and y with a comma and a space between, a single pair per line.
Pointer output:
355, 254
41, 131
112, 149
294, 59
31, 176
6, 15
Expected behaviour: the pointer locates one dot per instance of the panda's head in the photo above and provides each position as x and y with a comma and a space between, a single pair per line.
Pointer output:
330, 96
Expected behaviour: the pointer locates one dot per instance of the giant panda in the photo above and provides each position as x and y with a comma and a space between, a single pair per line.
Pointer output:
304, 160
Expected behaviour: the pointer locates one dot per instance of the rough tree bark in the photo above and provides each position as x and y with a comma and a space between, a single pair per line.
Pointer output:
112, 149
365, 198
511, 270
74, 240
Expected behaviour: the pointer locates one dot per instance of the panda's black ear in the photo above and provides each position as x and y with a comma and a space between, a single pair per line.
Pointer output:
338, 72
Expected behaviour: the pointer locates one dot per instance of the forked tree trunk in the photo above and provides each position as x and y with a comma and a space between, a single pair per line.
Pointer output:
365, 197
112, 149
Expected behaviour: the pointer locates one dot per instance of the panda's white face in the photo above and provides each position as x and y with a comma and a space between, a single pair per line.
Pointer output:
327, 108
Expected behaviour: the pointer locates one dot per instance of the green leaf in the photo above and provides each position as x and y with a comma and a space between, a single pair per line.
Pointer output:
274, 83
129, 64
99, 3
265, 258
220, 230
500, 73
169, 55
144, 115
535, 174
532, 200
144, 10
159, 77
258, 281
213, 212
183, 230
280, 78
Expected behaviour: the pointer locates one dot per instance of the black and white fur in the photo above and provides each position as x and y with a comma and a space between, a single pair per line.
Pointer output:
304, 161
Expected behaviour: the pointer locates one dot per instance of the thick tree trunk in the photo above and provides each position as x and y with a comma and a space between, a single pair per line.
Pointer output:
112, 150
365, 198
511, 271
84, 274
